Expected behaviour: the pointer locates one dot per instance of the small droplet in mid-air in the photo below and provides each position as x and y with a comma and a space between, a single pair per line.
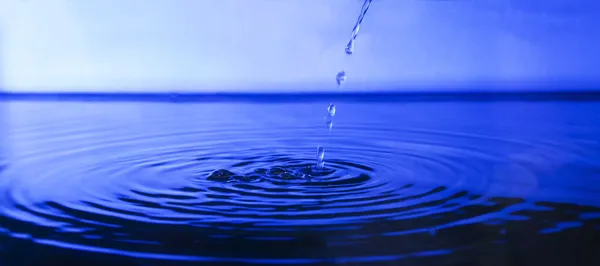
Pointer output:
329, 122
340, 77
350, 47
331, 109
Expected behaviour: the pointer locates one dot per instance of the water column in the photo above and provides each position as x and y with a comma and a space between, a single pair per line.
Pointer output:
340, 79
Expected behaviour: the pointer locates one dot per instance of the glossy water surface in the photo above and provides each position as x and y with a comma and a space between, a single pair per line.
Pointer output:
439, 183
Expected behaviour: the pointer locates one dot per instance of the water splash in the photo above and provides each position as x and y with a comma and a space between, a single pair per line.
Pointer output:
340, 78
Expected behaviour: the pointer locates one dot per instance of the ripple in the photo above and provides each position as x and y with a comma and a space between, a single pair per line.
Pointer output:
193, 193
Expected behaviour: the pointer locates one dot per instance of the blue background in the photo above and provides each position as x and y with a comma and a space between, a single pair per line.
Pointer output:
295, 45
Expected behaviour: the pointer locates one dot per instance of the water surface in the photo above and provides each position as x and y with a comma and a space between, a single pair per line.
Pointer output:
427, 183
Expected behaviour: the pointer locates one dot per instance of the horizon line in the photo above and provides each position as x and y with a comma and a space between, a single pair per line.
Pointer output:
311, 96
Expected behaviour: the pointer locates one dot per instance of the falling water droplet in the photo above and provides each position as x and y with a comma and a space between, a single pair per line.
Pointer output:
340, 78
350, 47
320, 157
331, 109
329, 122
330, 115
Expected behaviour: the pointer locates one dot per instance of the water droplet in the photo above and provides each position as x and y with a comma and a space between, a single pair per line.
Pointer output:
320, 157
331, 109
350, 47
356, 29
340, 77
329, 122
320, 153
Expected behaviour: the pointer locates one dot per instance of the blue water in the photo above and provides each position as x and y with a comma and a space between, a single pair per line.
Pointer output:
405, 183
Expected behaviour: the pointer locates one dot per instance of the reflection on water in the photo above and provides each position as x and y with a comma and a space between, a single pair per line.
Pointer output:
442, 183
4, 142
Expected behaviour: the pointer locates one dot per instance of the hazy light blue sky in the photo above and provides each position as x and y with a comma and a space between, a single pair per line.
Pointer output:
224, 45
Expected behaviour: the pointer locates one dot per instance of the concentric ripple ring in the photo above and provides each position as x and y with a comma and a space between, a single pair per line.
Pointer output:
172, 189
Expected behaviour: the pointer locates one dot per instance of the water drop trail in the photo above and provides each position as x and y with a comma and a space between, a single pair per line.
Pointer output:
340, 78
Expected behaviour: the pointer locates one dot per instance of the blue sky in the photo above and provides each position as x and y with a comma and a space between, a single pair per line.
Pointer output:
242, 45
